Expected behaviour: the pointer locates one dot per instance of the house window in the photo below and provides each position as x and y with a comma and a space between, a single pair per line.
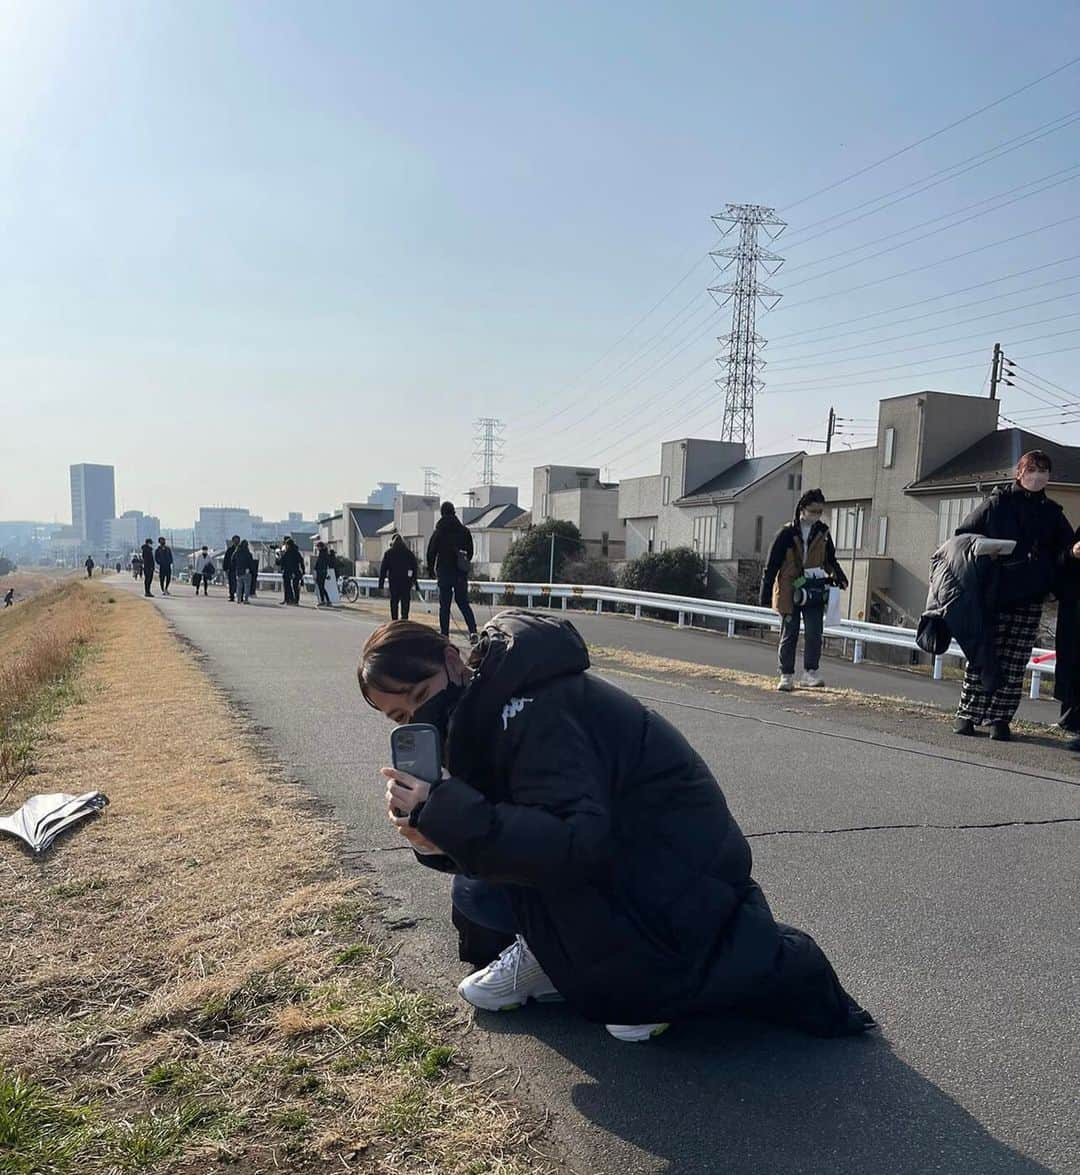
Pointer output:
544, 506
759, 526
667, 489
798, 482
889, 455
652, 538
791, 481
847, 525
882, 534
951, 512
604, 543
663, 545
705, 535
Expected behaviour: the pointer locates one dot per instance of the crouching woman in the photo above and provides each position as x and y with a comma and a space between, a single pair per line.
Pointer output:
586, 826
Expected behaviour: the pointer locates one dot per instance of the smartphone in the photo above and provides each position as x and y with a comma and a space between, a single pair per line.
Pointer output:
417, 749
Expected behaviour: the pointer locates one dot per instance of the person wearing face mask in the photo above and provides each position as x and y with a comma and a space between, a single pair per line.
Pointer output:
1022, 512
584, 830
802, 551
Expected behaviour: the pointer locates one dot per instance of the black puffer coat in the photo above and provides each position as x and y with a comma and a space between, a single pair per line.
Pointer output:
629, 877
450, 536
1042, 533
962, 602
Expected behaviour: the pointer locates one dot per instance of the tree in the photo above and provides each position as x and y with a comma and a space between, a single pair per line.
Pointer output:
6, 565
677, 572
529, 559
596, 572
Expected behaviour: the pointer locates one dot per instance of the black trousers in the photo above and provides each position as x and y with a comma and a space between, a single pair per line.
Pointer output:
164, 577
400, 598
451, 591
148, 580
297, 584
288, 583
230, 575
320, 583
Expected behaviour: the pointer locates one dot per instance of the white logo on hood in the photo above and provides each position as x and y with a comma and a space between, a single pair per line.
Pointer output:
512, 709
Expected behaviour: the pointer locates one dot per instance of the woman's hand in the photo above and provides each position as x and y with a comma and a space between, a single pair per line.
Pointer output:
404, 792
1076, 550
414, 836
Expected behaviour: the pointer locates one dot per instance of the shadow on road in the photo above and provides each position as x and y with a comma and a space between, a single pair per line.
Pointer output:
731, 1096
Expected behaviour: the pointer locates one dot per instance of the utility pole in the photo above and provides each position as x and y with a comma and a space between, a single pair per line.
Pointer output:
551, 563
830, 432
741, 382
995, 371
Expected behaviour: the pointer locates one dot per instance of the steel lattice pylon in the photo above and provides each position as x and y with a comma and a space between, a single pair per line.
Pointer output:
741, 382
489, 444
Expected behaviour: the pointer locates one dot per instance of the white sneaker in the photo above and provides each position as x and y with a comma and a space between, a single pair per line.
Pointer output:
636, 1032
786, 683
513, 979
812, 679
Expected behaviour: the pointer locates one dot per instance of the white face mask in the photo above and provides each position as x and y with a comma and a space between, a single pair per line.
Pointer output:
1034, 480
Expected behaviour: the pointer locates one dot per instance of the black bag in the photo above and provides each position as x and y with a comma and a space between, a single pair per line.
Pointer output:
811, 593
464, 563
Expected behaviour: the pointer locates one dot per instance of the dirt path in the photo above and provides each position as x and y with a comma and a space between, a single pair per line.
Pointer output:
192, 977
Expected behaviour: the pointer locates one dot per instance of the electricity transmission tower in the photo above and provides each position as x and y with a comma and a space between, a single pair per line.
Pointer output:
431, 482
489, 443
741, 346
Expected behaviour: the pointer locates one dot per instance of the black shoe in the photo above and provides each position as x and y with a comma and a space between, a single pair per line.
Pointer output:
1000, 732
963, 726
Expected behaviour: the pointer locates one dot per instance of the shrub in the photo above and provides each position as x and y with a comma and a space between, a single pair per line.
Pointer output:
676, 572
529, 559
597, 572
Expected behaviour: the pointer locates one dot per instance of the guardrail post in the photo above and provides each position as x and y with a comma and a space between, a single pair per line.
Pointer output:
637, 611
682, 619
564, 599
939, 666
731, 626
530, 601
367, 592
599, 605
857, 658
1036, 683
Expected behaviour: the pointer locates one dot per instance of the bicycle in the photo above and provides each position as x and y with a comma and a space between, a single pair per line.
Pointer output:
350, 589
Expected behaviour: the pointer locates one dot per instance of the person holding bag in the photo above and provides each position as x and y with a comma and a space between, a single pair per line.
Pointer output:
449, 560
795, 583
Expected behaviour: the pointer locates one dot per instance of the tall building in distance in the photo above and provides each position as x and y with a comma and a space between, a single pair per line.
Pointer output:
93, 501
383, 495
126, 533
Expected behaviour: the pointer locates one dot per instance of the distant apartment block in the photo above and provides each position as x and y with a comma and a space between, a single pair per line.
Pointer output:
126, 533
571, 493
93, 501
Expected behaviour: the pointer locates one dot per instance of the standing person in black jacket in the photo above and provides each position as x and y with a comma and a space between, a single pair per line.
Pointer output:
324, 564
244, 566
147, 563
449, 554
291, 563
89, 566
587, 827
400, 566
227, 564
163, 557
1022, 512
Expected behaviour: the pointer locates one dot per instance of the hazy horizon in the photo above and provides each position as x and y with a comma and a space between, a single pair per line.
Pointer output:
270, 255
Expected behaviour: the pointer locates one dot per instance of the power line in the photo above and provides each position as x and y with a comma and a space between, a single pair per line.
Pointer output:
933, 220
933, 135
953, 171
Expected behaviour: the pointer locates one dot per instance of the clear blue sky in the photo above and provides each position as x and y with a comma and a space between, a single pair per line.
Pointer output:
271, 253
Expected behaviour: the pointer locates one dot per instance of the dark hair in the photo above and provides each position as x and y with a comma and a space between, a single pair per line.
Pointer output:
1036, 459
808, 499
446, 509
399, 654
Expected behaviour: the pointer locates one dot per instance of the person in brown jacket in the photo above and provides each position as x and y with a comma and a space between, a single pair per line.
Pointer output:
802, 561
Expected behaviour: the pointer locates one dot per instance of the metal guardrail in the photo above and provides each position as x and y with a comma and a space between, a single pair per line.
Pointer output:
860, 632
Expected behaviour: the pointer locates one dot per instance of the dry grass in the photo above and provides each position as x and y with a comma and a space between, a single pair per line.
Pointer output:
192, 979
41, 645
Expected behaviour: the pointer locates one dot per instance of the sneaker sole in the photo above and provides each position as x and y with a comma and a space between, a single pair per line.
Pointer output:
640, 1037
554, 998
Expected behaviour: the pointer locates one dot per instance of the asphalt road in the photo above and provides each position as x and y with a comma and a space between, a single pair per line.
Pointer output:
959, 936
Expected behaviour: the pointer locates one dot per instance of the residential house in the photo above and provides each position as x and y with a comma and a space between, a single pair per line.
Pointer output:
570, 493
711, 497
353, 532
936, 457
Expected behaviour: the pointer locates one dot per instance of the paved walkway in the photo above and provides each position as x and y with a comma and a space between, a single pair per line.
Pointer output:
942, 883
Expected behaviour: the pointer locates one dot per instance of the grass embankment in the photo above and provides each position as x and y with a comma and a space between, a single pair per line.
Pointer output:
190, 979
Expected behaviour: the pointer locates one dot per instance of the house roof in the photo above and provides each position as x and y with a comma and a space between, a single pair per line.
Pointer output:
370, 518
389, 528
993, 459
522, 522
740, 477
496, 517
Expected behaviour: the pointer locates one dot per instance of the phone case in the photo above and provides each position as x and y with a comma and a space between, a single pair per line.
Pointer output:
417, 749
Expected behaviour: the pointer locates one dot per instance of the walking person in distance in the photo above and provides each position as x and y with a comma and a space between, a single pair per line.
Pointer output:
146, 560
227, 565
89, 565
1020, 511
400, 567
291, 564
324, 564
449, 555
203, 571
802, 562
243, 564
587, 831
163, 557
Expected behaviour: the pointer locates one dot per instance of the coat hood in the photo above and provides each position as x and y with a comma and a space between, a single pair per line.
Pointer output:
518, 651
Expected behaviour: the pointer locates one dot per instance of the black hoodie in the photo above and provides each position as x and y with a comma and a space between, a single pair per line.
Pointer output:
630, 879
451, 535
